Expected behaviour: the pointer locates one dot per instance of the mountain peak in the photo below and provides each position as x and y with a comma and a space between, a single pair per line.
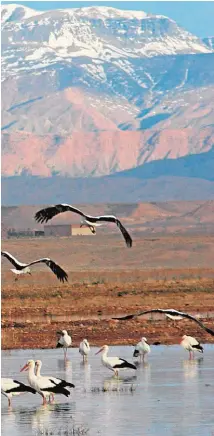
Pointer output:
16, 12
110, 12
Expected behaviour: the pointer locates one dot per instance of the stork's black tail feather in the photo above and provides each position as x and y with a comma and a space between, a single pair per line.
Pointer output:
58, 345
57, 389
20, 388
198, 347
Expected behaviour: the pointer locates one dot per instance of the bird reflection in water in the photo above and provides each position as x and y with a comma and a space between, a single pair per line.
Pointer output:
64, 364
191, 367
119, 384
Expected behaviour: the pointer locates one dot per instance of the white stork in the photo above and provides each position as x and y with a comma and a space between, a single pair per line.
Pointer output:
114, 363
10, 388
64, 341
43, 385
142, 348
174, 314
44, 215
23, 268
191, 344
57, 381
84, 349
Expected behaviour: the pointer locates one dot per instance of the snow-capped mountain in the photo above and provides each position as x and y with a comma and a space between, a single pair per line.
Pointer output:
209, 42
106, 75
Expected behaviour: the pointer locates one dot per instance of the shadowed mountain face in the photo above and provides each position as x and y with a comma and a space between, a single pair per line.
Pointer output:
188, 178
96, 90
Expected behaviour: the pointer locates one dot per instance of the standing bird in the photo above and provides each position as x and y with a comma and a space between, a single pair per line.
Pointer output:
44, 215
57, 381
174, 314
84, 349
43, 385
64, 341
10, 387
191, 344
114, 363
23, 268
141, 349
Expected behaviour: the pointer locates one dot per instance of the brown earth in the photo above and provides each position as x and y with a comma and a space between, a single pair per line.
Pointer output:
107, 279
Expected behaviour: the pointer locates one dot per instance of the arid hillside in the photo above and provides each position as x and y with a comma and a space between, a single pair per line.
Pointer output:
149, 218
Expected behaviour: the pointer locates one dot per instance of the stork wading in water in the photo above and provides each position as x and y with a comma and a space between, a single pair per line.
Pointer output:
84, 349
142, 348
57, 381
43, 385
44, 215
64, 341
10, 388
191, 344
23, 268
174, 315
114, 363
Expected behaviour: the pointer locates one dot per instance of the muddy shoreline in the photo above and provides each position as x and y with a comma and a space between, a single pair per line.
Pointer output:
32, 314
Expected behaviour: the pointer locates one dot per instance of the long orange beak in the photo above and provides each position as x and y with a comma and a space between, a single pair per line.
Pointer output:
24, 368
101, 349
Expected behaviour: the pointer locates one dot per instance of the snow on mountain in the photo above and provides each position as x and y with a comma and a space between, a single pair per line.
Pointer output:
97, 72
209, 41
14, 12
97, 32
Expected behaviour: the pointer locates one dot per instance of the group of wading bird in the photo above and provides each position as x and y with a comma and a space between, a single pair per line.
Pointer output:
47, 386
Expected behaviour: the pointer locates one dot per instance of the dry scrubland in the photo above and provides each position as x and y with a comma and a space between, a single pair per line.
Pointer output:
105, 279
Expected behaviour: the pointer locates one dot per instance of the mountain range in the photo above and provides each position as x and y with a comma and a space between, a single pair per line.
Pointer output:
95, 91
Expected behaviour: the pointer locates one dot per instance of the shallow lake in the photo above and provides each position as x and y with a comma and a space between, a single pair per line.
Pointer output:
168, 395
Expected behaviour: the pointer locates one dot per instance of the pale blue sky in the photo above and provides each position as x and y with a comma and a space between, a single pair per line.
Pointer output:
195, 16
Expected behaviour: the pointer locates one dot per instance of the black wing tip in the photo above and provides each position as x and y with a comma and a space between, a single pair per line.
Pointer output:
41, 217
129, 243
62, 277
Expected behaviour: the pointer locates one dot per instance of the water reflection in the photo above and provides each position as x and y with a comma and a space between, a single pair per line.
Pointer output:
157, 400
191, 367
64, 364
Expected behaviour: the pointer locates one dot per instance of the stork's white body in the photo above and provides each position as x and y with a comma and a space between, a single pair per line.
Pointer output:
84, 349
114, 363
142, 348
7, 384
43, 385
55, 380
22, 271
64, 341
191, 344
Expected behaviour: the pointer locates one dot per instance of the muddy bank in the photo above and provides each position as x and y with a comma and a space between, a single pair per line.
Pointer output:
31, 314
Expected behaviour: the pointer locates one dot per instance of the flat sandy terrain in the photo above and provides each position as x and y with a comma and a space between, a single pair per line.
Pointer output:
108, 279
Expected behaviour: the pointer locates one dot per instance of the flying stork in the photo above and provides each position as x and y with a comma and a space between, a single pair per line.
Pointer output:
44, 215
23, 268
174, 314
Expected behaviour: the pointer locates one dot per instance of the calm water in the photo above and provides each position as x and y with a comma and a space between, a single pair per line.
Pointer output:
168, 396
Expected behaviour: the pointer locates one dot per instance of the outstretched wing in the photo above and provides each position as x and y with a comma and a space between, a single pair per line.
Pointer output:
57, 270
12, 259
113, 219
169, 312
207, 329
125, 234
44, 215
